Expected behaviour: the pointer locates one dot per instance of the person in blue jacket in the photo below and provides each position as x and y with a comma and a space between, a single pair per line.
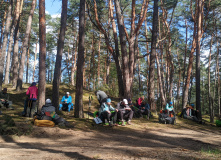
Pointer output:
169, 106
105, 112
66, 103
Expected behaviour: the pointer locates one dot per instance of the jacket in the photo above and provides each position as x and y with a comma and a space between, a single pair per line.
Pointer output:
32, 92
121, 107
66, 99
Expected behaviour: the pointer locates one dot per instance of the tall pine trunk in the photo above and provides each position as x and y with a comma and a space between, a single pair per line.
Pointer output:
60, 47
153, 56
42, 54
199, 33
25, 47
78, 113
33, 76
4, 44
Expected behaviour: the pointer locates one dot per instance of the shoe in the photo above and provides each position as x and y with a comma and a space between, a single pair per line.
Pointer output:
115, 124
122, 123
129, 122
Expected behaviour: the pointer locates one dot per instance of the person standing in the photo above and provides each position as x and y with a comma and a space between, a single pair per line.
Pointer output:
30, 102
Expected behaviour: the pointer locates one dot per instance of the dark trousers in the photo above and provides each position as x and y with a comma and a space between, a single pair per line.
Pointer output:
109, 116
127, 115
30, 110
145, 112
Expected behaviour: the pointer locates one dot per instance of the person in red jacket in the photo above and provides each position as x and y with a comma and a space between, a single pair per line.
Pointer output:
30, 102
139, 101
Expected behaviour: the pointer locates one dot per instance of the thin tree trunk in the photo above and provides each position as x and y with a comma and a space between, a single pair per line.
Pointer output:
4, 44
199, 33
27, 64
153, 56
80, 64
189, 70
98, 61
184, 62
42, 54
25, 47
93, 62
148, 57
179, 80
60, 47
108, 68
2, 27
33, 77
191, 85
209, 87
16, 48
6, 79
160, 82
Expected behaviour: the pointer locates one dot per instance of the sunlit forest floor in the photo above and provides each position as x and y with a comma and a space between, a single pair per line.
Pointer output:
144, 139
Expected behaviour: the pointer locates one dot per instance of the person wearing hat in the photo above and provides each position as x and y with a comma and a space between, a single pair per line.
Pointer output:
189, 113
105, 112
30, 102
66, 103
4, 99
124, 112
48, 113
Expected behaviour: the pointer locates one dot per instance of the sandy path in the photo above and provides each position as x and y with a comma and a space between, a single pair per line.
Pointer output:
156, 142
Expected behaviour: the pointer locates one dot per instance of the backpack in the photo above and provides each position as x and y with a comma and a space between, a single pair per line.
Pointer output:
43, 123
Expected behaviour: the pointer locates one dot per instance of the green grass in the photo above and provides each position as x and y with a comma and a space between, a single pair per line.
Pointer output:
212, 151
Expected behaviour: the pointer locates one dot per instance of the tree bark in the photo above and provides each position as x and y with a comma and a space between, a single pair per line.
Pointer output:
15, 61
160, 82
60, 47
184, 62
124, 53
42, 54
4, 44
199, 33
98, 61
25, 47
6, 79
80, 64
153, 56
33, 77
27, 64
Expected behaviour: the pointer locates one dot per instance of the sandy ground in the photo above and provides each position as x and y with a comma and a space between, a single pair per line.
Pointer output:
141, 140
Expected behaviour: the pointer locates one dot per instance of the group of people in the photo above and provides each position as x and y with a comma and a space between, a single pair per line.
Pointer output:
124, 111
30, 102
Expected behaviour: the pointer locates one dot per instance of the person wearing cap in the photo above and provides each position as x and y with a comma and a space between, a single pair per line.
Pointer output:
30, 102
169, 106
66, 103
124, 112
4, 99
189, 113
101, 96
48, 113
105, 112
